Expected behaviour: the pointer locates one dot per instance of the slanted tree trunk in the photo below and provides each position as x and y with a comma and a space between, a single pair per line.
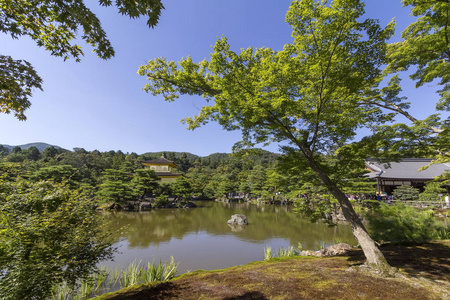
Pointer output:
373, 255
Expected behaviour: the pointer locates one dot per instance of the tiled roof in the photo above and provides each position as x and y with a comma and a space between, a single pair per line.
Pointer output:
160, 161
407, 168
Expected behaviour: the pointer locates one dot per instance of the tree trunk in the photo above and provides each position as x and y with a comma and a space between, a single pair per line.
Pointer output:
373, 255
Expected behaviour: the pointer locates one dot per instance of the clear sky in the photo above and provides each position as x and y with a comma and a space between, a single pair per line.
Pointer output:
98, 104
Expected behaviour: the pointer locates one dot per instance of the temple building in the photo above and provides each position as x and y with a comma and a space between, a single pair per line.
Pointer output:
164, 169
405, 172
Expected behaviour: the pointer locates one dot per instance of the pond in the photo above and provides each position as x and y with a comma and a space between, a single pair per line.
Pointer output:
199, 238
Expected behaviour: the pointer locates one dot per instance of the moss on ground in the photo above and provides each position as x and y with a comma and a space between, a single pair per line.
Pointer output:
426, 270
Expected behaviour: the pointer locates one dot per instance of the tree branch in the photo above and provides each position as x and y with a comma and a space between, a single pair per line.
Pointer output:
396, 108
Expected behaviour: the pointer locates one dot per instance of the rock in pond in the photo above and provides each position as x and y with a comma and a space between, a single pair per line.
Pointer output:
189, 205
332, 250
238, 220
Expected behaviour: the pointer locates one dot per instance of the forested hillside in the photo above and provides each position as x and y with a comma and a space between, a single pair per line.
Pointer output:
115, 176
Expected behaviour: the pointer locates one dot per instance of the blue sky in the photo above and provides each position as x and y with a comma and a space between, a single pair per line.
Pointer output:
98, 104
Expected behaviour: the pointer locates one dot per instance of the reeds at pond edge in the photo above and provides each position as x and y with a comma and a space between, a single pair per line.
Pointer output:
107, 280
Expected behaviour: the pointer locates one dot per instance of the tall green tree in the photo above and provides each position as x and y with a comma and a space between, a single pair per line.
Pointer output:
57, 173
115, 187
90, 166
16, 150
199, 178
426, 46
4, 150
16, 157
434, 190
425, 51
33, 153
144, 181
314, 94
55, 25
256, 180
51, 152
277, 181
182, 188
225, 186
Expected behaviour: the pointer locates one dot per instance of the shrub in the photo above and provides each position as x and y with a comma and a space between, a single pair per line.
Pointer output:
161, 201
401, 223
432, 191
406, 192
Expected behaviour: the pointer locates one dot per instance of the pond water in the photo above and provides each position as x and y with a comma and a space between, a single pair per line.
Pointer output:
199, 238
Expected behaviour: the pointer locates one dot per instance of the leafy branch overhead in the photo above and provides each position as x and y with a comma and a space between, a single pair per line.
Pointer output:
317, 90
426, 46
425, 50
17, 80
264, 89
57, 25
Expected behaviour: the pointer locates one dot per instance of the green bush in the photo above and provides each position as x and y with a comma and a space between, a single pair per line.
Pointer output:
401, 223
49, 234
405, 193
161, 201
432, 191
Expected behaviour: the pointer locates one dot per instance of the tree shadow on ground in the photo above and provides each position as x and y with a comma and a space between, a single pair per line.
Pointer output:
431, 260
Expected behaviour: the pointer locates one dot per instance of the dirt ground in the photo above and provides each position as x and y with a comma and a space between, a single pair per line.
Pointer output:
424, 274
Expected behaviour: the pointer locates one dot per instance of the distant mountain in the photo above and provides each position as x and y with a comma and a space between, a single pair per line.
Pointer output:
40, 146
257, 154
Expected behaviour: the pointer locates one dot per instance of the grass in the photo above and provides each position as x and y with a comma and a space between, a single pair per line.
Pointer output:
290, 251
281, 252
268, 253
107, 280
425, 273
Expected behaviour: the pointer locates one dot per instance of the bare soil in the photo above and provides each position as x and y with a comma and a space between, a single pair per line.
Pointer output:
424, 273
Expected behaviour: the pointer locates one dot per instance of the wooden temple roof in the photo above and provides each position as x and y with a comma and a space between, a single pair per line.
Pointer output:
160, 161
407, 168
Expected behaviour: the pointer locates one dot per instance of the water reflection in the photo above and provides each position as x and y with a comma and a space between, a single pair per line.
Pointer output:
200, 238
